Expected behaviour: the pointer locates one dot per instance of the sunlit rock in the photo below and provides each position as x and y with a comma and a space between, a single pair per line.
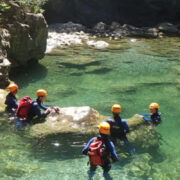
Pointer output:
97, 44
70, 120
3, 94
85, 120
65, 39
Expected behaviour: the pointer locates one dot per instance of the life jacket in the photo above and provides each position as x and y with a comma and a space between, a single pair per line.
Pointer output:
24, 107
96, 151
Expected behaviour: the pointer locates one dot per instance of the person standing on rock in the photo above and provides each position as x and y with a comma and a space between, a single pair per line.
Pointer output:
119, 128
100, 149
155, 115
11, 100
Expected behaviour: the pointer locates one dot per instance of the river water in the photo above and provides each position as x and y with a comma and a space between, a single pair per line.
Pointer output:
133, 73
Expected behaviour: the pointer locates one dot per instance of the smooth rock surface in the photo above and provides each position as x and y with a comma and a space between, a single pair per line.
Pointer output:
3, 94
85, 120
70, 120
4, 62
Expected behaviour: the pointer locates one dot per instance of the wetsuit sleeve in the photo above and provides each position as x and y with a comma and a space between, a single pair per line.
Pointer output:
109, 121
147, 119
112, 150
42, 106
86, 148
126, 127
37, 111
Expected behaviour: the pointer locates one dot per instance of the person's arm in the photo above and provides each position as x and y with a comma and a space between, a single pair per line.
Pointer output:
86, 148
126, 127
112, 151
42, 106
16, 103
109, 121
37, 111
147, 119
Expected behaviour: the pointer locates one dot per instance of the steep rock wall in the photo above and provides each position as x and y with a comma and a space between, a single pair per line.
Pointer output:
23, 38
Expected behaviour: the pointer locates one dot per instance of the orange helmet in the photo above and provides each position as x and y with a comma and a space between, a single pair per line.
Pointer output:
41, 92
116, 108
154, 106
104, 128
13, 87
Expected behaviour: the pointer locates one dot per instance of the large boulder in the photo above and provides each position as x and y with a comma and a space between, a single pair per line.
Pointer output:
4, 62
85, 120
168, 28
139, 167
28, 39
70, 120
3, 94
27, 34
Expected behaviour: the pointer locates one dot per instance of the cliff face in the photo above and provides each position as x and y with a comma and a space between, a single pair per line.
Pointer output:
134, 12
22, 38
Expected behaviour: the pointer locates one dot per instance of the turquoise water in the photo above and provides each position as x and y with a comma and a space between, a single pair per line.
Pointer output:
130, 73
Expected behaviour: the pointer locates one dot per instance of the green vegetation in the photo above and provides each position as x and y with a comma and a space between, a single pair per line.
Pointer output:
34, 6
3, 7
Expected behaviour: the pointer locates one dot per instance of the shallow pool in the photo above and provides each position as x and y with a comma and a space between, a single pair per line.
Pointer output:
132, 73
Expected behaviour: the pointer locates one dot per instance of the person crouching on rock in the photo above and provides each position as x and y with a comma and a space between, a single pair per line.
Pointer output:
155, 115
100, 149
28, 109
119, 128
11, 100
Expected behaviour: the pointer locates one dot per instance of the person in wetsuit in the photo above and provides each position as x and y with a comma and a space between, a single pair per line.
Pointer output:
11, 100
34, 110
155, 115
37, 105
100, 149
119, 128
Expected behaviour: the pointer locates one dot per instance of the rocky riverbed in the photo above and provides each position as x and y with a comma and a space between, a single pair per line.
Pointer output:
69, 34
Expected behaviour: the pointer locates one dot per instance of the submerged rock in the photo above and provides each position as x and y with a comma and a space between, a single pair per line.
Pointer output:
139, 167
168, 169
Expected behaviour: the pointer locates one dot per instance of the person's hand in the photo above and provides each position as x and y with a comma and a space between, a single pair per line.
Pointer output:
114, 159
90, 153
57, 109
48, 110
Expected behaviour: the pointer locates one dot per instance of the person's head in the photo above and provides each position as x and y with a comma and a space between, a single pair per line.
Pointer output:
116, 109
41, 94
13, 88
104, 128
154, 107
